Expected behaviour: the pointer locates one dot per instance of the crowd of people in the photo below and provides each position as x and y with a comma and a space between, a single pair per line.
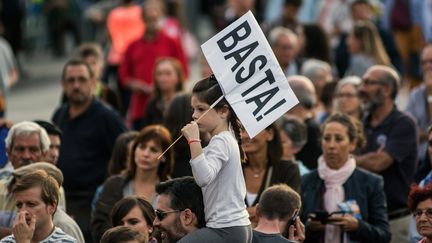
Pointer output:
346, 164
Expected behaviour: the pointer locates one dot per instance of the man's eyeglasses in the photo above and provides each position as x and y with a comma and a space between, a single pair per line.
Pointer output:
372, 82
418, 213
161, 214
346, 95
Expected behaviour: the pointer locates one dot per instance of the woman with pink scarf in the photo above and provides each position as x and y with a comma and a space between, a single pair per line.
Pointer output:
342, 203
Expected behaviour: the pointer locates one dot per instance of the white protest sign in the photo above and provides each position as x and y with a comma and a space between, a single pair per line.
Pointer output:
249, 74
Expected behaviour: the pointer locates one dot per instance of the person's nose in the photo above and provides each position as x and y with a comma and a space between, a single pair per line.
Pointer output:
331, 143
156, 222
195, 115
76, 84
146, 152
26, 154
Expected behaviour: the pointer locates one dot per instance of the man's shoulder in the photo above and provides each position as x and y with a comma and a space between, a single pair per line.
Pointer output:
260, 237
8, 239
59, 236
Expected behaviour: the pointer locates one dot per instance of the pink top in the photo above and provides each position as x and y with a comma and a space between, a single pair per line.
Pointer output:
125, 25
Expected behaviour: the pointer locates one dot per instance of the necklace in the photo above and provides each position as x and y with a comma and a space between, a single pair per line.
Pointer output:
256, 173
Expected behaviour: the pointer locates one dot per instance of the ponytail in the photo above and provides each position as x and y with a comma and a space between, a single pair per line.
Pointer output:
236, 125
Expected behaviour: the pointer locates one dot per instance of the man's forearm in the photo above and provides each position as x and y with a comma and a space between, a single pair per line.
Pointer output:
374, 161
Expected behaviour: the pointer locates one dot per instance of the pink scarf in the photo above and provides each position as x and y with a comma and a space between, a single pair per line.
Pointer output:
334, 193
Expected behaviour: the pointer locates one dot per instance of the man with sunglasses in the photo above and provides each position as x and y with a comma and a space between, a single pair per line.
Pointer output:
277, 211
180, 209
392, 144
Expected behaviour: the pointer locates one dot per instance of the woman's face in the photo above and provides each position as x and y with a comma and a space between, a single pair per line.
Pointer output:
258, 144
336, 145
135, 219
423, 222
347, 99
354, 45
146, 155
166, 76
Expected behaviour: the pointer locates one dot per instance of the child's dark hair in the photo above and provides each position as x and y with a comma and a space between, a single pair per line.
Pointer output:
208, 90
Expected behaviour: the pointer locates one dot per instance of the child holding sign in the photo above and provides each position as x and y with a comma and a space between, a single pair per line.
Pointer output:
217, 167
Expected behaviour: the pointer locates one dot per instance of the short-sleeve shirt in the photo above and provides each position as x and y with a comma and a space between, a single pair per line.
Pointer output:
397, 135
57, 236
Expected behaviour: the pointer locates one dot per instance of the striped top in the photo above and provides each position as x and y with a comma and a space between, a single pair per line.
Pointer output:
57, 236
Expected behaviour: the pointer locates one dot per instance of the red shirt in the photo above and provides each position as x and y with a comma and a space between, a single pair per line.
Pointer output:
138, 64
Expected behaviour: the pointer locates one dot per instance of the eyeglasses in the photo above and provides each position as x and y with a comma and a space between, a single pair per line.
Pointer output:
161, 214
418, 213
346, 95
372, 82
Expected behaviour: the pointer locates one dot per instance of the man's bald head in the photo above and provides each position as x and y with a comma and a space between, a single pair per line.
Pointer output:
387, 75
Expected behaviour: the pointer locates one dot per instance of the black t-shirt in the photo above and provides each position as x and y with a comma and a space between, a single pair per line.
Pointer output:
87, 142
397, 134
312, 149
259, 237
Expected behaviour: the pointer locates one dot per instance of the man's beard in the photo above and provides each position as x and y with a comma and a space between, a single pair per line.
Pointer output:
372, 103
77, 98
176, 233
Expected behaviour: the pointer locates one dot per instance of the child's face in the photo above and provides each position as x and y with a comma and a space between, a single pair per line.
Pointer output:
211, 121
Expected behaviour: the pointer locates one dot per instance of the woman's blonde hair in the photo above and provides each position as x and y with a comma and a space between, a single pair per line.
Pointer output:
371, 42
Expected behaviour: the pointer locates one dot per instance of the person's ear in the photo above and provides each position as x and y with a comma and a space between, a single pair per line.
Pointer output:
224, 112
187, 217
353, 145
52, 208
257, 212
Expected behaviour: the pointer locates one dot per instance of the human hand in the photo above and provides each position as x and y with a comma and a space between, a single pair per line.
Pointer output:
23, 227
252, 216
296, 232
191, 131
347, 222
139, 87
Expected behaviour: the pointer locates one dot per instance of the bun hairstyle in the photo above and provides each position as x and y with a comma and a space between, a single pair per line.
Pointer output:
208, 91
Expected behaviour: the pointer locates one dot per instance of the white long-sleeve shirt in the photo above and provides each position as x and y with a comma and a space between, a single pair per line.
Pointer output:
219, 174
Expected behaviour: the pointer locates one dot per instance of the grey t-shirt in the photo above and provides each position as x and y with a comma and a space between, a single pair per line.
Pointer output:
259, 237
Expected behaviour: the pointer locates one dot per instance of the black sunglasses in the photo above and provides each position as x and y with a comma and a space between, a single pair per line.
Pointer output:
161, 214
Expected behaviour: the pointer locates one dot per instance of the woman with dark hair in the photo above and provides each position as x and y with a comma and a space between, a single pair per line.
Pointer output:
143, 172
135, 212
314, 43
121, 152
342, 203
420, 204
168, 79
264, 167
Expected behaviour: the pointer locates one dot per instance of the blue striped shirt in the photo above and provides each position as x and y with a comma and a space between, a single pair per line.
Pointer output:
57, 236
